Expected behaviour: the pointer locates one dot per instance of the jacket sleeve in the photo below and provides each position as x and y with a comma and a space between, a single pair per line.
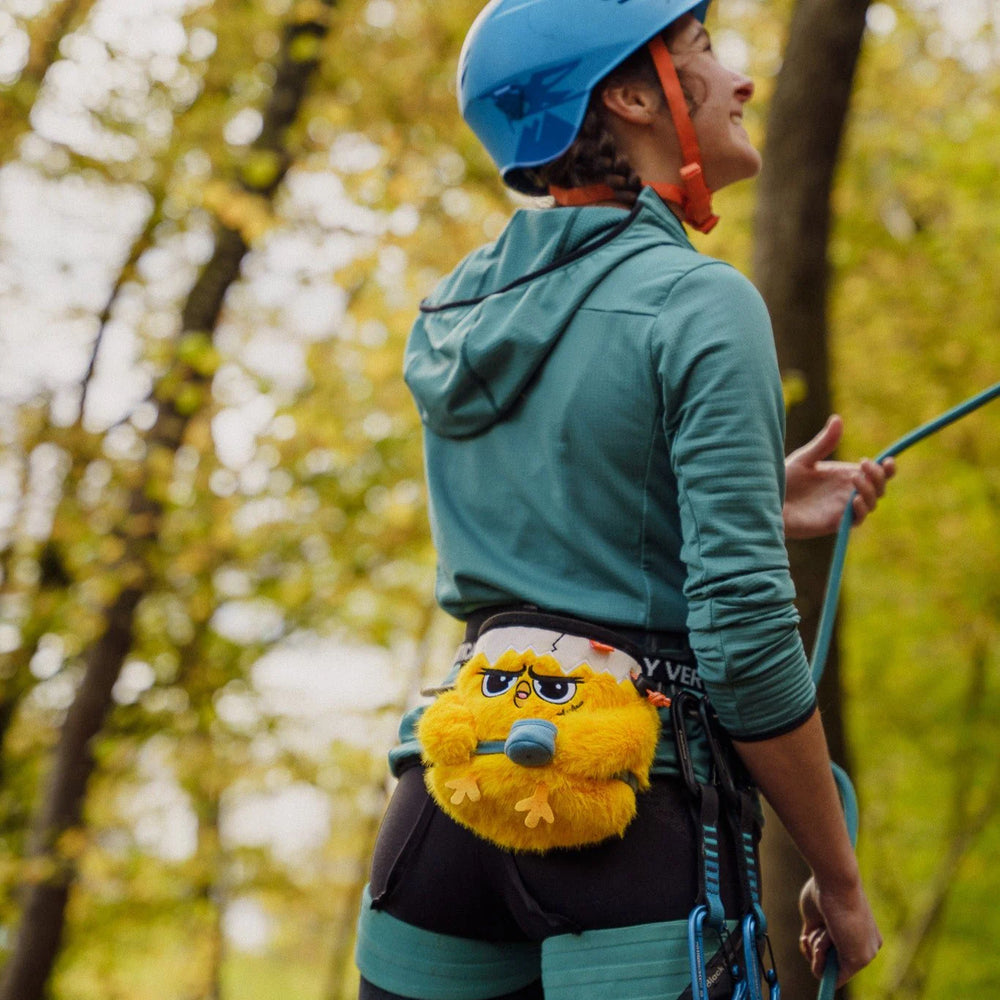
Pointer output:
724, 422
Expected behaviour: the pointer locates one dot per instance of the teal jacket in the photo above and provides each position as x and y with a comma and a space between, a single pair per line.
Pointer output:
604, 432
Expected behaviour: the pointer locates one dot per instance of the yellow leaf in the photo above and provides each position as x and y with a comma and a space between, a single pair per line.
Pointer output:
794, 388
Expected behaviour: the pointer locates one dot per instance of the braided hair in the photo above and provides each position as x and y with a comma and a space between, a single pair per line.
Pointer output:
594, 156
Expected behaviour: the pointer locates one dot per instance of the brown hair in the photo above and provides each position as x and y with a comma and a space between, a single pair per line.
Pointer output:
594, 157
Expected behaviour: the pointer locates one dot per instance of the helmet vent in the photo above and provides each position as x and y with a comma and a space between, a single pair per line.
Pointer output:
510, 99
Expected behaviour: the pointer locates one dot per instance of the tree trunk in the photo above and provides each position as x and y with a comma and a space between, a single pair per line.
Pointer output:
45, 906
792, 227
43, 917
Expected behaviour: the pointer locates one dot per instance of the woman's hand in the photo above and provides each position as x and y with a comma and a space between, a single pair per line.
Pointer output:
842, 919
793, 773
817, 491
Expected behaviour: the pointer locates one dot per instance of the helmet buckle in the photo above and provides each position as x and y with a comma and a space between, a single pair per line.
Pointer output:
698, 200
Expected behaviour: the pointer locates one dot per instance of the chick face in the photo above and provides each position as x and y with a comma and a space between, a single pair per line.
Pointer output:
528, 685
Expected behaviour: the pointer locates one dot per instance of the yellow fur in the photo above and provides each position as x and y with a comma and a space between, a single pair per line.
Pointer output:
604, 730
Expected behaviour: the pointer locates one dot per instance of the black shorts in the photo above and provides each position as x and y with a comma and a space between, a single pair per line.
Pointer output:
429, 871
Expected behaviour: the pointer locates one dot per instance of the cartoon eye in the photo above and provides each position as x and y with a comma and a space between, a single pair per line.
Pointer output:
496, 683
557, 690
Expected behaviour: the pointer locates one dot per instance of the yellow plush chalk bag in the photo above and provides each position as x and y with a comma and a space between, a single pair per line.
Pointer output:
545, 739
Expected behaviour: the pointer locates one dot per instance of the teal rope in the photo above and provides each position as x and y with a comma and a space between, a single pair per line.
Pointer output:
824, 633
849, 800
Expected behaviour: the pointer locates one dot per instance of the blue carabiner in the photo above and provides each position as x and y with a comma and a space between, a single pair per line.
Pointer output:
752, 933
696, 952
772, 981
741, 990
750, 956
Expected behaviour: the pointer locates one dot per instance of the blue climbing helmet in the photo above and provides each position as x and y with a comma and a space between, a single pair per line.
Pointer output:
527, 69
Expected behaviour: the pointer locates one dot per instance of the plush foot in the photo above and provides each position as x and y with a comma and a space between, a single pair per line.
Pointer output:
463, 788
537, 808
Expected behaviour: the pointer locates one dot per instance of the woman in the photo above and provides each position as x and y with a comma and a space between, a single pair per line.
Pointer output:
603, 433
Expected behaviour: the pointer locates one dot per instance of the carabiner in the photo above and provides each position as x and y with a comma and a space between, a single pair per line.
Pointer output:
678, 706
723, 773
772, 981
696, 952
751, 957
741, 984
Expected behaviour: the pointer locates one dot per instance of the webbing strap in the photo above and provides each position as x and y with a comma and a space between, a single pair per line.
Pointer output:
747, 857
709, 909
741, 811
711, 870
594, 194
590, 194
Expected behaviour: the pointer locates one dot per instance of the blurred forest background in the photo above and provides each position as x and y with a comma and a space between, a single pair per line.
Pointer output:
216, 220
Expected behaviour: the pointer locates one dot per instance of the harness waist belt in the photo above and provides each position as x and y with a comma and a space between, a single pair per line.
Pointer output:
552, 639
647, 641
662, 660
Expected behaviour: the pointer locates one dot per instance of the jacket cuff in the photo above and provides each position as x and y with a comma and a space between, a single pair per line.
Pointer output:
758, 737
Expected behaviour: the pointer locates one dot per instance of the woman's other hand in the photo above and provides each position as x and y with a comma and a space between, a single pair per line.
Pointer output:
817, 490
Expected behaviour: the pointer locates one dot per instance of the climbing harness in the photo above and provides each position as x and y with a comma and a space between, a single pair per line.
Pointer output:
708, 909
723, 805
742, 812
824, 632
741, 943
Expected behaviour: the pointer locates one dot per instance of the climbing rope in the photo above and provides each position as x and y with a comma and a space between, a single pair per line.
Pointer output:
824, 633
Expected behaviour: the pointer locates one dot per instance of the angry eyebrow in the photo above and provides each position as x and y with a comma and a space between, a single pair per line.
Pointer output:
555, 677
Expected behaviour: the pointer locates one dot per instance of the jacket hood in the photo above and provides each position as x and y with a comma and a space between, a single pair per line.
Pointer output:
487, 328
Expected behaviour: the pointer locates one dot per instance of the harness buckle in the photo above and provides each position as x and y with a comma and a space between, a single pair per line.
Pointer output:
698, 206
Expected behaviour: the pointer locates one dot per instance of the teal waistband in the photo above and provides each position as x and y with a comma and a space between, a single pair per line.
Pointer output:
413, 962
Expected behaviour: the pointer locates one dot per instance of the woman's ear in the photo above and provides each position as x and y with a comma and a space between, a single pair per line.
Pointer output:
633, 102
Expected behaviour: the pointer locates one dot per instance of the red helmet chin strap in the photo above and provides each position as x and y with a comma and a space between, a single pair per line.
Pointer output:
692, 194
